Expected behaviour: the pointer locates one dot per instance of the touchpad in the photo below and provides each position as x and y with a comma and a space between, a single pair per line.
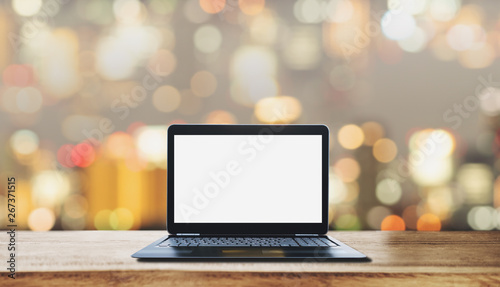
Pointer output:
183, 251
252, 252
241, 252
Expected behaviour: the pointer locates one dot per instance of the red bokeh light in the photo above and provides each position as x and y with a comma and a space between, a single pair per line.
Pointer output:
64, 155
83, 154
18, 75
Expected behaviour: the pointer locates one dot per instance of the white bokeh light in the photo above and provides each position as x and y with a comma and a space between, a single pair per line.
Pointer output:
398, 26
26, 8
415, 43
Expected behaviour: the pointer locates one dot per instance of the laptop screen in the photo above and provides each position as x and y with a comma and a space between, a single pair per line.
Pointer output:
248, 179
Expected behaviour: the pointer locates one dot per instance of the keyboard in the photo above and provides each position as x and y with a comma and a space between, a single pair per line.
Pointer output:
210, 241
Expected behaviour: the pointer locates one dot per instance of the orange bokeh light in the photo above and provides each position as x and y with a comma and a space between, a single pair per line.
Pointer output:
212, 6
428, 222
347, 169
252, 7
120, 145
394, 223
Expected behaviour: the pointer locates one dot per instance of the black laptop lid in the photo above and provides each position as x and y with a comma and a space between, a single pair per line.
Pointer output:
247, 179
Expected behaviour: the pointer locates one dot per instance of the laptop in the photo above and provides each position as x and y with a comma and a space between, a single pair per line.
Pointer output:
248, 192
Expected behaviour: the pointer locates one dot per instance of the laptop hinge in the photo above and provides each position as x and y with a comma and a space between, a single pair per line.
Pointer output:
304, 234
188, 234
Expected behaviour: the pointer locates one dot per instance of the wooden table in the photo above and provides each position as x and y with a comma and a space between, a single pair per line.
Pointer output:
66, 258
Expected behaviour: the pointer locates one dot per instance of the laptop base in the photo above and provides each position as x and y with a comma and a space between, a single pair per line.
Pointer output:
341, 252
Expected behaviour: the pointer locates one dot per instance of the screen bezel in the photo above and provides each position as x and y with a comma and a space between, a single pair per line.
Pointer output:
247, 228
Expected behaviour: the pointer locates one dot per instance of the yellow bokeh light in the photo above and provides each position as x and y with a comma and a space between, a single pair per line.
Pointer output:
444, 10
207, 39
303, 51
166, 99
430, 160
388, 191
478, 58
264, 27
470, 14
24, 142
337, 189
430, 171
50, 187
58, 69
41, 219
102, 220
121, 219
350, 136
278, 110
119, 145
252, 7
433, 143
440, 201
396, 6
347, 169
476, 181
151, 141
203, 84
385, 150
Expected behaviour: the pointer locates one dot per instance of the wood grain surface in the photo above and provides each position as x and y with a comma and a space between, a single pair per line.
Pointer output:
62, 258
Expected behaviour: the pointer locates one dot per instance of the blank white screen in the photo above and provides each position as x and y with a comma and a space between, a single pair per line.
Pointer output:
247, 179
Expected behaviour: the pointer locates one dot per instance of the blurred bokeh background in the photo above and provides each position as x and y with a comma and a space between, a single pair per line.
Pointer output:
409, 89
